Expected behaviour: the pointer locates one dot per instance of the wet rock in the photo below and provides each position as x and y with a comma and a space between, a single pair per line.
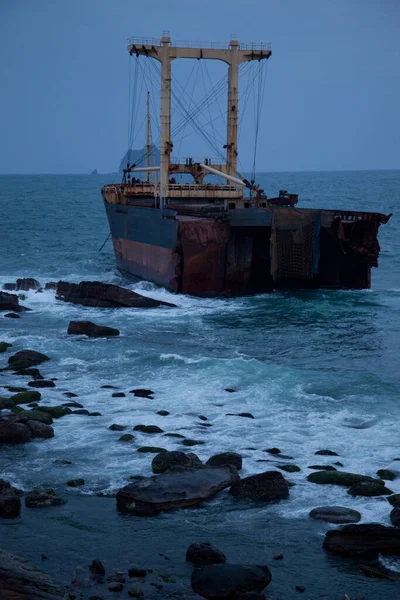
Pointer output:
137, 572
109, 387
174, 435
278, 556
14, 433
25, 359
273, 451
97, 569
10, 287
230, 390
115, 587
6, 403
163, 413
26, 397
117, 577
267, 486
395, 517
4, 485
227, 581
32, 372
148, 429
338, 478
20, 581
76, 482
4, 346
118, 395
386, 474
204, 554
135, 592
168, 461
80, 411
10, 505
36, 415
43, 499
90, 329
322, 468
127, 437
40, 430
188, 442
12, 315
376, 570
115, 427
226, 458
151, 449
72, 405
103, 295
394, 500
62, 462
50, 285
142, 393
364, 541
56, 411
242, 414
335, 514
174, 490
326, 453
289, 468
27, 283
11, 302
41, 383
369, 488
300, 588
70, 395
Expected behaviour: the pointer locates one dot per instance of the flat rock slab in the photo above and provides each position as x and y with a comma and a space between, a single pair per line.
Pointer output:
103, 295
335, 514
365, 540
339, 478
20, 581
227, 581
174, 490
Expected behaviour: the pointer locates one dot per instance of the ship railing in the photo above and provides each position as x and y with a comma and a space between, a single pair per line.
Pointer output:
138, 41
184, 160
207, 187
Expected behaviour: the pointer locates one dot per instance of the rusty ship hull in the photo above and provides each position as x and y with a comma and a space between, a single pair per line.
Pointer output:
216, 250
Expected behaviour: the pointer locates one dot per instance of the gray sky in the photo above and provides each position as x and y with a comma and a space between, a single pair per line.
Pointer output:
332, 96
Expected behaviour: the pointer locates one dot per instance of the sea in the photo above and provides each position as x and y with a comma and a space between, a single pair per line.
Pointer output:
317, 369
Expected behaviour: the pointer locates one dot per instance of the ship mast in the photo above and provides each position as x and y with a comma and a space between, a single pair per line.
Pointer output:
149, 140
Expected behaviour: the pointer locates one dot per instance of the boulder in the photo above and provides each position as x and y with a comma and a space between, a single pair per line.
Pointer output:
386, 474
267, 486
56, 412
40, 430
10, 505
204, 554
289, 468
20, 581
91, 329
335, 514
326, 453
103, 295
118, 395
169, 461
127, 437
394, 500
148, 429
27, 283
226, 581
26, 397
174, 490
43, 499
80, 411
395, 517
369, 488
364, 541
50, 285
11, 302
115, 427
36, 415
142, 393
41, 383
12, 315
4, 346
32, 372
14, 433
25, 359
338, 478
226, 458
273, 451
6, 403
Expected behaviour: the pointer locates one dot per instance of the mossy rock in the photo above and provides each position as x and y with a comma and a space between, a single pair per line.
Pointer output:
394, 500
151, 449
369, 489
37, 415
75, 482
188, 442
289, 468
174, 435
115, 427
6, 403
4, 346
339, 478
127, 437
148, 429
395, 517
326, 453
386, 474
15, 389
26, 397
80, 411
17, 410
56, 411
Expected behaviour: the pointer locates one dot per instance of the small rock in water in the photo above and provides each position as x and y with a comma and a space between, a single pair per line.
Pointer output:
108, 387
326, 453
148, 429
242, 414
289, 468
70, 394
76, 482
188, 442
142, 393
41, 383
90, 329
151, 449
4, 346
395, 517
137, 572
168, 461
300, 588
135, 592
335, 514
14, 433
369, 488
226, 458
72, 405
25, 359
32, 372
278, 556
394, 500
115, 587
273, 451
268, 486
96, 568
115, 427
118, 395
204, 554
80, 411
386, 474
127, 437
174, 435
367, 540
12, 316
322, 468
163, 413
40, 430
43, 499
10, 504
230, 390
338, 478
229, 581
203, 418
